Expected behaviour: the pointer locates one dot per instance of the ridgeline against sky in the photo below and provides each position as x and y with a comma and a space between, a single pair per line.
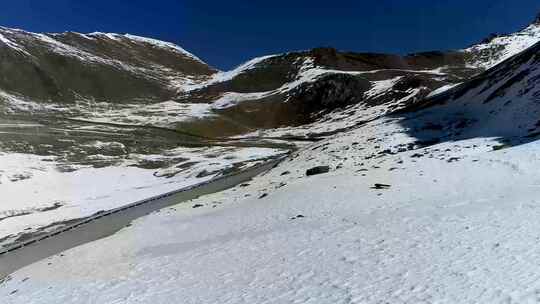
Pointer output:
225, 33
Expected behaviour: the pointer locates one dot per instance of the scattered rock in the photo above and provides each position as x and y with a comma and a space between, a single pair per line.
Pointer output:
285, 173
197, 206
317, 170
386, 152
499, 147
263, 195
297, 217
380, 186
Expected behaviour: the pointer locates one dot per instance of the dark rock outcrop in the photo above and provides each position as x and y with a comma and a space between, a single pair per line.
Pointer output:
317, 170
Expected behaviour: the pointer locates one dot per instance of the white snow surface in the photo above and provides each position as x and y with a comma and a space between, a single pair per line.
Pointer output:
442, 89
30, 183
505, 46
225, 76
231, 99
162, 114
382, 86
445, 232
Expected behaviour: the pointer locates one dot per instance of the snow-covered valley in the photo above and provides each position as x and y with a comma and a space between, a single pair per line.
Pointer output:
335, 238
410, 179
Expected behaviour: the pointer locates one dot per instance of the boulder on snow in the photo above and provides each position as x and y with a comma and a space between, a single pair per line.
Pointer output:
380, 186
317, 170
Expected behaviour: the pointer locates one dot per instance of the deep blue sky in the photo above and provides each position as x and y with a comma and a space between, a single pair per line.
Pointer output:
225, 33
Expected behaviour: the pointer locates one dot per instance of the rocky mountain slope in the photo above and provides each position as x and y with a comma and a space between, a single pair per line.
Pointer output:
500, 103
133, 80
71, 67
499, 47
327, 90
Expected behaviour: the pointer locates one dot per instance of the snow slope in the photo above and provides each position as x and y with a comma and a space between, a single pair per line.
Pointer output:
326, 239
496, 50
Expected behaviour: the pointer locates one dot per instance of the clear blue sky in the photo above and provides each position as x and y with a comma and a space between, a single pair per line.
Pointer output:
225, 33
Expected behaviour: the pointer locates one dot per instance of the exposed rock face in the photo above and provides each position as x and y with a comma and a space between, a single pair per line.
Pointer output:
349, 61
318, 170
334, 91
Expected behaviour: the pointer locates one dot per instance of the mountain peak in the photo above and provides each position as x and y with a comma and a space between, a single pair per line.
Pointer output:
536, 20
491, 37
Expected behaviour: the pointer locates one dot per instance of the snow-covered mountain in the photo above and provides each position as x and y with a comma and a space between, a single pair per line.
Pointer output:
437, 203
105, 77
323, 90
500, 103
497, 48
299, 88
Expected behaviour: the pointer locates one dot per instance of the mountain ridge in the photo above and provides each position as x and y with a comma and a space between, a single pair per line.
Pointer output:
70, 72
